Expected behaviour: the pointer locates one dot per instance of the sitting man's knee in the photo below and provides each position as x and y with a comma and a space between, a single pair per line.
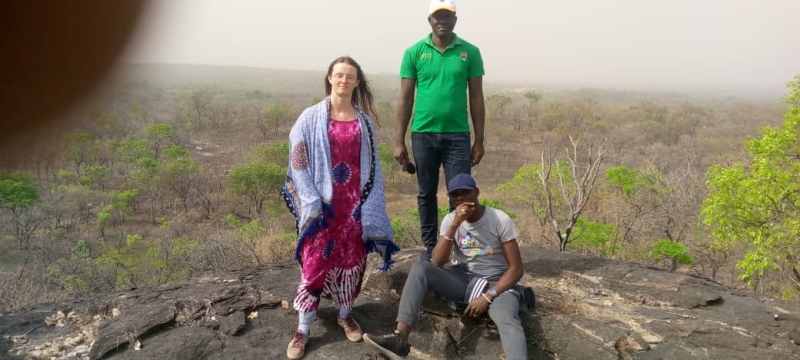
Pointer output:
503, 315
421, 267
505, 311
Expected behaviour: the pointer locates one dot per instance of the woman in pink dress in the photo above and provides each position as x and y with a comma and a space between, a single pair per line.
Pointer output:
335, 190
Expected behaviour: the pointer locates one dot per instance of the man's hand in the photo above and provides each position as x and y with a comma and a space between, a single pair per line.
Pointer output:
401, 153
476, 307
477, 154
462, 212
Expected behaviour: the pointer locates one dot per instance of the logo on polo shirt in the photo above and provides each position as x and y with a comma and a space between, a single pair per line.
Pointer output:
463, 56
424, 56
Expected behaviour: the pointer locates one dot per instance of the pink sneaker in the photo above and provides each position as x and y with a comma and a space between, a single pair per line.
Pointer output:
297, 347
351, 328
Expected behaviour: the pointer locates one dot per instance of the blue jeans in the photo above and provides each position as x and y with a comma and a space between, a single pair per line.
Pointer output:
431, 151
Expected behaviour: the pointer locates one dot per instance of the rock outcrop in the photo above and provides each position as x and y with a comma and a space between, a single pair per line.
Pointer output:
588, 308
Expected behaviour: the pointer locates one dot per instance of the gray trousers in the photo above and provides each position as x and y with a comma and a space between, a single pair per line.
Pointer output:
452, 284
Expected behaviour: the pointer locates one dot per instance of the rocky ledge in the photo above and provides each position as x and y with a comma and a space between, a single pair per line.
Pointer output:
588, 308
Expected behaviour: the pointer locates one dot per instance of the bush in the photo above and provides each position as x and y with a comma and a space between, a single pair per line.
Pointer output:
495, 203
671, 250
404, 230
595, 236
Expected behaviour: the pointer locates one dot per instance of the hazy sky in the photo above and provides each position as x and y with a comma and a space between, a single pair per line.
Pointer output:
730, 44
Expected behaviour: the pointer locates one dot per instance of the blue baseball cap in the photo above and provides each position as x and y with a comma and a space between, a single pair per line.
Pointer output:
462, 181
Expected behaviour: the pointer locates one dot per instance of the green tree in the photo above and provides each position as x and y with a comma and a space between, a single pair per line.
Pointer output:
575, 193
256, 180
94, 177
180, 172
118, 206
793, 97
17, 197
277, 154
646, 216
81, 149
533, 96
596, 236
144, 170
526, 188
132, 151
673, 251
758, 203
272, 119
251, 234
624, 179
562, 191
72, 273
158, 137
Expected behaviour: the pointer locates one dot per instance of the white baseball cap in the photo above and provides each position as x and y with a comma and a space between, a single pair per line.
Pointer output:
437, 5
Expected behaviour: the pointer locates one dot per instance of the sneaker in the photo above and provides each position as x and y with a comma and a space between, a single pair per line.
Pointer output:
389, 345
351, 328
426, 254
297, 347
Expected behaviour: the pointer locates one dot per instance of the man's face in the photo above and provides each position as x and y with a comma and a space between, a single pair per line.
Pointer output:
461, 196
442, 22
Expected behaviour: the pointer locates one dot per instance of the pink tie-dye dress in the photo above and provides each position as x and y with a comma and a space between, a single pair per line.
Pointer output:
334, 259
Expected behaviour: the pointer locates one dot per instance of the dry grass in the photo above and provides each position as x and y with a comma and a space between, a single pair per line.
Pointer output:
275, 247
568, 304
11, 256
18, 289
399, 204
553, 297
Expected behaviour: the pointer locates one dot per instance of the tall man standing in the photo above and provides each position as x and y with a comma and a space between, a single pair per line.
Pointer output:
443, 69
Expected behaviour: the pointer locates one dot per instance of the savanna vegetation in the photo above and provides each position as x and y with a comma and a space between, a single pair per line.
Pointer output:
175, 171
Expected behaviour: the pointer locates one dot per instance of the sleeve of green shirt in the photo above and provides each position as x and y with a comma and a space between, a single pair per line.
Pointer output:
476, 65
408, 69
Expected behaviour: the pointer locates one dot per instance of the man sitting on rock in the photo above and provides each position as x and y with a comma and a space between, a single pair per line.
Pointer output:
481, 243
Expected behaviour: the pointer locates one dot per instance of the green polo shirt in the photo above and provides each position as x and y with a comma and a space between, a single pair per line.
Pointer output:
441, 104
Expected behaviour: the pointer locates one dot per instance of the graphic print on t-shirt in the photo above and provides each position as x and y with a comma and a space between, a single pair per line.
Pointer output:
471, 247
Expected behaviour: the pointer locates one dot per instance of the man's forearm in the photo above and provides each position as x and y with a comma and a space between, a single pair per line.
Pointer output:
444, 246
404, 108
510, 278
477, 110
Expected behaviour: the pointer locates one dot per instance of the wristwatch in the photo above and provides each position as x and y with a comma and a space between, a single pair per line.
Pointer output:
493, 292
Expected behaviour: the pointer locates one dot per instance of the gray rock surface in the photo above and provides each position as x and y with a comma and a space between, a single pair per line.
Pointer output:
589, 308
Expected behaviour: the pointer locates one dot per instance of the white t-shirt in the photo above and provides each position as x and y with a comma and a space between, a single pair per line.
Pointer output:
479, 246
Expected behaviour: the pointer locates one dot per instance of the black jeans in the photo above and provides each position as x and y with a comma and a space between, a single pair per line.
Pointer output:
431, 151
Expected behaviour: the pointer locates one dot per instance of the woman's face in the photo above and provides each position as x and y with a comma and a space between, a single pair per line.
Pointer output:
343, 79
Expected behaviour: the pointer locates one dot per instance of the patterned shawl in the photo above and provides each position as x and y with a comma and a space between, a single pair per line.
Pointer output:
309, 188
